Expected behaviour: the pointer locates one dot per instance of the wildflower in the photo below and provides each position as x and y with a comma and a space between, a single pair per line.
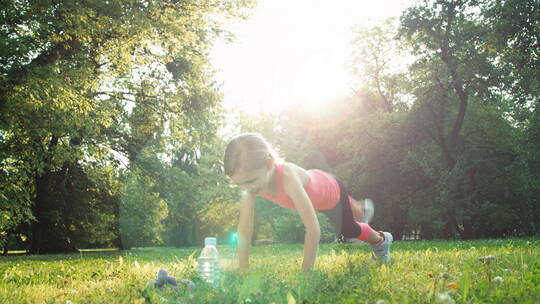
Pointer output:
442, 267
444, 298
69, 302
487, 259
498, 280
380, 302
453, 286
248, 300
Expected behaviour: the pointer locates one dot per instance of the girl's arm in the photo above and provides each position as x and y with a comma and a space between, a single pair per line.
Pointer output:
295, 189
245, 229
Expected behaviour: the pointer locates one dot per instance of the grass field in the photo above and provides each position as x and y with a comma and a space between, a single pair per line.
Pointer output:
421, 272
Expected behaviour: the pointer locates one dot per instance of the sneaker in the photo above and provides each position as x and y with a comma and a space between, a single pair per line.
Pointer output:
369, 210
382, 250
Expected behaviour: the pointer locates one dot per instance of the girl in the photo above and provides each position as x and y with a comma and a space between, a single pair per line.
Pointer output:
251, 164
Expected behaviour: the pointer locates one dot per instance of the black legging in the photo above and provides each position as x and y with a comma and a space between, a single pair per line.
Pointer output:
341, 215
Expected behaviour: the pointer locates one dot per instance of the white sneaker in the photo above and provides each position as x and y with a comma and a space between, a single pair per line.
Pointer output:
382, 251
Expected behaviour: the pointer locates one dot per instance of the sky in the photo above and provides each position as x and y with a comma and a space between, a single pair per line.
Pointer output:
293, 52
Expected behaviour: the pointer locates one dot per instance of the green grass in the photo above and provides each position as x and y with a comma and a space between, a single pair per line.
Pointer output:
344, 274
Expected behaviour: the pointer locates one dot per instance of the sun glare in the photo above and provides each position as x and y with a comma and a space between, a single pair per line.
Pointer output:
320, 80
294, 52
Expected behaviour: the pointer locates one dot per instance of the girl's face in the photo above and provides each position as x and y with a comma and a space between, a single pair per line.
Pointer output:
254, 182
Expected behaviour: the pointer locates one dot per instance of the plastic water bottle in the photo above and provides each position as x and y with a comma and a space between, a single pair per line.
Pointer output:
208, 262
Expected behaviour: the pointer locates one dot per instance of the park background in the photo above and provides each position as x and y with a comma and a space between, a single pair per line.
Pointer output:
113, 123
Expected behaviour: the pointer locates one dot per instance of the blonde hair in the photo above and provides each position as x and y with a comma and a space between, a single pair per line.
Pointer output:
248, 151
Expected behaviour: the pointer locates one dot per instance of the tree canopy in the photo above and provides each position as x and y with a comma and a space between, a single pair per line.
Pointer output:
110, 119
92, 92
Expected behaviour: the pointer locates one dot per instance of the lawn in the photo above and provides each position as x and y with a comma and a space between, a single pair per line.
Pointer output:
420, 272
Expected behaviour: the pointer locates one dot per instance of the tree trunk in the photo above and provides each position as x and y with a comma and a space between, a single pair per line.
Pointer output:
6, 245
426, 232
48, 232
399, 223
38, 212
449, 228
118, 241
468, 231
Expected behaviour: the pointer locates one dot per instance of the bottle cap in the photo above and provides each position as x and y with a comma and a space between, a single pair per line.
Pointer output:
210, 241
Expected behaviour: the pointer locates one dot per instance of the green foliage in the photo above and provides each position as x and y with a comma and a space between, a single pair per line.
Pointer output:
176, 188
460, 86
219, 218
109, 119
99, 86
14, 199
142, 213
379, 62
93, 193
215, 212
445, 145
513, 37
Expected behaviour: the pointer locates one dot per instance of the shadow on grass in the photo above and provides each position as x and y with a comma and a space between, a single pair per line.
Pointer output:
168, 254
157, 254
442, 245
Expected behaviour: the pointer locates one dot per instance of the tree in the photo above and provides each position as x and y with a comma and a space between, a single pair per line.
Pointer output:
380, 64
513, 37
457, 69
514, 40
142, 213
71, 72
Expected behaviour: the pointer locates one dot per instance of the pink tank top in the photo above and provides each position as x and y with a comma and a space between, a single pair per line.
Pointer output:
322, 189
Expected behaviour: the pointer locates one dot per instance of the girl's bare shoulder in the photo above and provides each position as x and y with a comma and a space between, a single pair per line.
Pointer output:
291, 169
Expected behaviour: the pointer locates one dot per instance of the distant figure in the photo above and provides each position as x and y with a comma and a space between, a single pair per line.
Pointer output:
253, 165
